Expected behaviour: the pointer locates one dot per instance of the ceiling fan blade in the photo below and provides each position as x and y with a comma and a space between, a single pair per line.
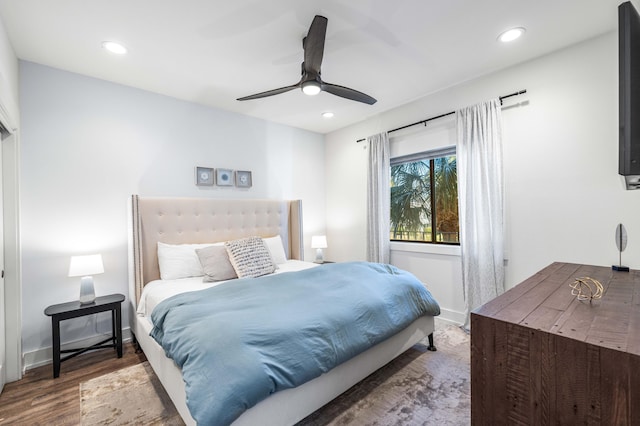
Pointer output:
345, 92
314, 44
269, 93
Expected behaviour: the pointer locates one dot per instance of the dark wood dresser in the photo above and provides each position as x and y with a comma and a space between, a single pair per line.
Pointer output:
539, 356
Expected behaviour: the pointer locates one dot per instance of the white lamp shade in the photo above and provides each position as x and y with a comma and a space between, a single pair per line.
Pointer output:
81, 266
319, 241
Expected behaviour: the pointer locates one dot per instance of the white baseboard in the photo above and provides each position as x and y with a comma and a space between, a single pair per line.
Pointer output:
44, 356
452, 317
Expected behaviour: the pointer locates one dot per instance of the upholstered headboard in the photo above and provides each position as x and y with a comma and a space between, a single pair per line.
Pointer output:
204, 220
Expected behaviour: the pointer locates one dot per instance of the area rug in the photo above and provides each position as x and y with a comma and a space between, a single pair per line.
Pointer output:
417, 388
130, 396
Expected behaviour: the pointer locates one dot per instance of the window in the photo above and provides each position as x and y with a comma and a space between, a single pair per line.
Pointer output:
416, 215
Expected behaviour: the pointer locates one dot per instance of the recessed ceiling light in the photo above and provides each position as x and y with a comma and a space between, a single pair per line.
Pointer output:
511, 34
327, 114
114, 47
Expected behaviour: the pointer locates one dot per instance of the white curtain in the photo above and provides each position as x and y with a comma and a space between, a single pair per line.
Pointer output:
480, 202
378, 199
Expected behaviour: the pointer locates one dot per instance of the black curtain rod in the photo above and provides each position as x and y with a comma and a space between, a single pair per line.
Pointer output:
520, 92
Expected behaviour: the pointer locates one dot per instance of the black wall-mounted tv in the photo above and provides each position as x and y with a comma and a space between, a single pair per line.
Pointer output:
629, 94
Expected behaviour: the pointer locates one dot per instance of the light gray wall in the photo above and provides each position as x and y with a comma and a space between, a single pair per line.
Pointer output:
88, 144
563, 194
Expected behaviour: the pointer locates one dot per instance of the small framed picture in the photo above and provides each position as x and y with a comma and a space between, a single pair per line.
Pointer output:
204, 176
243, 179
224, 177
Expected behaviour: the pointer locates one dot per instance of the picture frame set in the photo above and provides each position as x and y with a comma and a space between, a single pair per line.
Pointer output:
208, 176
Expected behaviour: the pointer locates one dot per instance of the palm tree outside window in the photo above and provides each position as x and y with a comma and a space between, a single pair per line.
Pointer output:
424, 198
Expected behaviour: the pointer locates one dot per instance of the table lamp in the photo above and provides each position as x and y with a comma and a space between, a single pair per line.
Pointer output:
319, 242
86, 267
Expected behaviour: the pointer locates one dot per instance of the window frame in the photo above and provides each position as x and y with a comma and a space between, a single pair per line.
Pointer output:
430, 156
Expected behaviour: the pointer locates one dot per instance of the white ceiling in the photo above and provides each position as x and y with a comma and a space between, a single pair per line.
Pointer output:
212, 51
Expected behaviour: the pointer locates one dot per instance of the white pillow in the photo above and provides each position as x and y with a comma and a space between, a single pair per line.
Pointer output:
179, 260
274, 244
250, 257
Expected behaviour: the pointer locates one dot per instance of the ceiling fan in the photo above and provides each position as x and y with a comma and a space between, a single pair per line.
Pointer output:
311, 83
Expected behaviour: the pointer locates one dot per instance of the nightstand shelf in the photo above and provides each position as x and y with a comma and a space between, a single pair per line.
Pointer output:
64, 311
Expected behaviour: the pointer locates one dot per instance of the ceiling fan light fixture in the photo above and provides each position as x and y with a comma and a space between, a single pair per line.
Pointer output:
311, 83
114, 47
311, 87
511, 34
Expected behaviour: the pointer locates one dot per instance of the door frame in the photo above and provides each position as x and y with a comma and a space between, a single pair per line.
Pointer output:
13, 264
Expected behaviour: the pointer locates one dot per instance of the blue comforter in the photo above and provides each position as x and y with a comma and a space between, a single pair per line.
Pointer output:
243, 340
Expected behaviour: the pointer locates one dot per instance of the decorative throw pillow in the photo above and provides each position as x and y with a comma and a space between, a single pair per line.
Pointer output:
215, 263
179, 261
274, 244
250, 257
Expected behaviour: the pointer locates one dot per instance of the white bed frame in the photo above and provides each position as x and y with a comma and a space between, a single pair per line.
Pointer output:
191, 220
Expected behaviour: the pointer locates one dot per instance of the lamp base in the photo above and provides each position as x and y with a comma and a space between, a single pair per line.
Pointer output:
620, 268
87, 293
319, 256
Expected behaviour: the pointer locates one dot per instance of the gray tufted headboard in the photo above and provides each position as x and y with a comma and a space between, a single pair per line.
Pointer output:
204, 220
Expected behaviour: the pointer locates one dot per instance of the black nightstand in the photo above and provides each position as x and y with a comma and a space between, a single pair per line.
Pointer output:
70, 310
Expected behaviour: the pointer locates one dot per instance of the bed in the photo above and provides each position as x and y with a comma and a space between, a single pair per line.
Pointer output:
176, 221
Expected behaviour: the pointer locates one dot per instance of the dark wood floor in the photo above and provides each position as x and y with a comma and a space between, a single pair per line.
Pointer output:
38, 399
